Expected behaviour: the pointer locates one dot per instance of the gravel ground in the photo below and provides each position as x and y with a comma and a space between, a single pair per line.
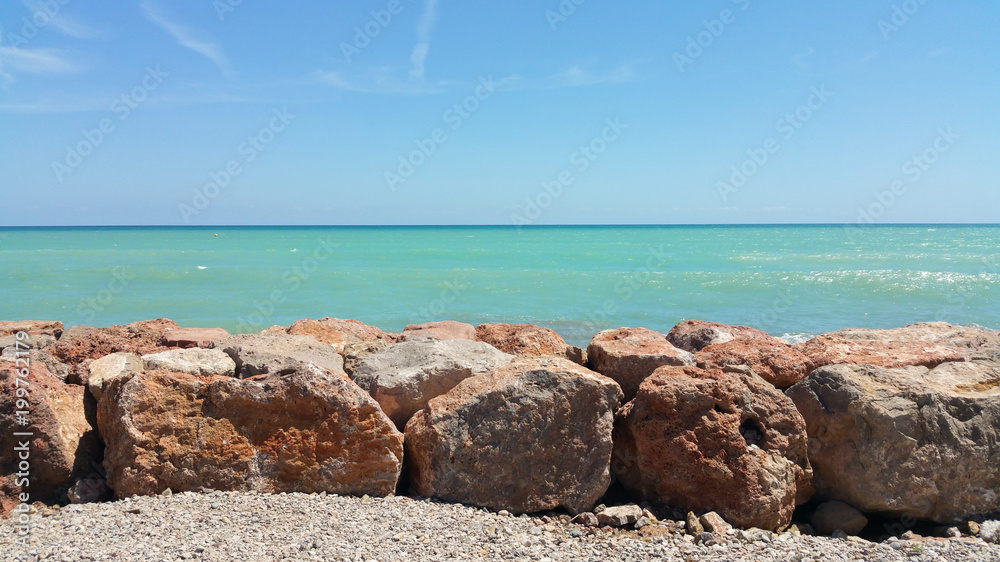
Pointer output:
248, 526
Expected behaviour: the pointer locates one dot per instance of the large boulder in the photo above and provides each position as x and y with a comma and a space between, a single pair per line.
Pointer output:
193, 361
31, 327
109, 367
192, 337
629, 355
404, 376
354, 353
911, 441
828, 349
339, 333
776, 362
10, 345
309, 430
257, 354
531, 436
695, 335
62, 446
443, 330
972, 342
708, 440
79, 343
528, 339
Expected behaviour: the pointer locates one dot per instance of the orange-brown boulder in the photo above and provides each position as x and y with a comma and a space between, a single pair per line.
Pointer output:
192, 337
776, 362
311, 430
707, 440
531, 436
79, 343
829, 349
62, 446
528, 339
629, 355
443, 330
31, 327
695, 335
339, 333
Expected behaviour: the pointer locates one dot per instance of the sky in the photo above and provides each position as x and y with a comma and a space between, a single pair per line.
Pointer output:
215, 112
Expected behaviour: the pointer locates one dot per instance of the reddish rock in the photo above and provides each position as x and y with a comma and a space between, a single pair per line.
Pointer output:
443, 330
310, 430
695, 335
63, 446
629, 355
707, 440
79, 343
829, 349
529, 340
531, 436
339, 333
32, 327
778, 363
192, 337
974, 343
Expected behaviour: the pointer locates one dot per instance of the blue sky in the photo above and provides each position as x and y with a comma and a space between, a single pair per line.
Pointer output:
444, 112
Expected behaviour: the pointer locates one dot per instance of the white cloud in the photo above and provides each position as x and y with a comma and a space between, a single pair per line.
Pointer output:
186, 38
420, 50
61, 21
577, 76
35, 61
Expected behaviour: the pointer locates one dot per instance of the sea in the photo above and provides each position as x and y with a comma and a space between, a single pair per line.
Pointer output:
791, 281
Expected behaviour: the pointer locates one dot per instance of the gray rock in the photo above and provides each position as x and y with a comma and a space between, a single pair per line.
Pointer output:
619, 515
833, 515
89, 490
193, 361
110, 366
989, 531
354, 353
404, 376
36, 341
257, 354
912, 441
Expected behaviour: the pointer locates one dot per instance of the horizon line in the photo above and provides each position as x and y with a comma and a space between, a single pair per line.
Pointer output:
503, 225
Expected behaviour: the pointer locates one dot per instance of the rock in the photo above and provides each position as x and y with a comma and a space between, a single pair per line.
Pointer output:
308, 430
841, 534
776, 362
714, 523
31, 327
443, 330
947, 532
37, 341
629, 355
587, 519
79, 343
340, 333
972, 528
193, 361
192, 337
693, 526
619, 516
714, 441
529, 340
257, 354
989, 531
834, 350
354, 352
531, 436
911, 441
404, 376
62, 445
973, 343
695, 335
801, 529
109, 367
89, 490
832, 515
708, 539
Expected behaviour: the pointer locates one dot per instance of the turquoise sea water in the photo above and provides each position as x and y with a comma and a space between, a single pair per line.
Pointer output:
786, 280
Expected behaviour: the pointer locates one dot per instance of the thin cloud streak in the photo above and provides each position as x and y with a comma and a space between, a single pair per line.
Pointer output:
420, 50
184, 37
63, 22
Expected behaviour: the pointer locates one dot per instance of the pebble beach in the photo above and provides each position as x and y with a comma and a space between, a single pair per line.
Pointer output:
249, 526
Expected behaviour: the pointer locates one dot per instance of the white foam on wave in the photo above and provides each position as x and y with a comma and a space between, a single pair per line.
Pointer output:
202, 267
797, 337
